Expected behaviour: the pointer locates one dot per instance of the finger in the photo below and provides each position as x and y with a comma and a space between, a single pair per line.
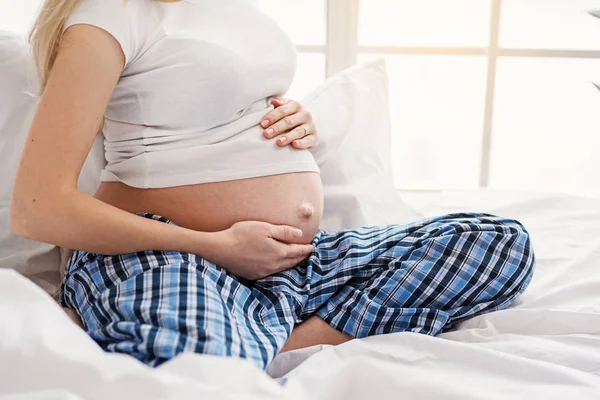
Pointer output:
290, 263
288, 123
278, 102
299, 251
308, 142
296, 133
286, 234
280, 112
287, 264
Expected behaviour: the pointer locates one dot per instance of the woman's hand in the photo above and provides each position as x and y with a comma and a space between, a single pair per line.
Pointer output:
254, 250
292, 124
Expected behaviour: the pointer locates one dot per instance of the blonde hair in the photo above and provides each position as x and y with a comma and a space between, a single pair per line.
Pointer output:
47, 32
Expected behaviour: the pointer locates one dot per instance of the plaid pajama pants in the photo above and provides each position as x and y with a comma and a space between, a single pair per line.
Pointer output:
423, 277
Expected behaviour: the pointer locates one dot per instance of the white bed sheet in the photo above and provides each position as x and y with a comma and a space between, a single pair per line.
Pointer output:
547, 346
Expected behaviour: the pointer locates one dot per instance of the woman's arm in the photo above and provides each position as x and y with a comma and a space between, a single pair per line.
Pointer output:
46, 204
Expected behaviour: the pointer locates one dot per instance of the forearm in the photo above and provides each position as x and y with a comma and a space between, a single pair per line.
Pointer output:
74, 220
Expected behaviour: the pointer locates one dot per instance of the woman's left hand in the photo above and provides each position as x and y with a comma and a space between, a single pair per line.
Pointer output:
292, 124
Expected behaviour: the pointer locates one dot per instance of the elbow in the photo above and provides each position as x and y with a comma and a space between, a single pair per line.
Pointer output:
34, 210
34, 214
26, 216
18, 219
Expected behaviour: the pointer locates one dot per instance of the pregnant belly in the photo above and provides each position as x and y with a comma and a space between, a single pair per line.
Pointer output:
294, 199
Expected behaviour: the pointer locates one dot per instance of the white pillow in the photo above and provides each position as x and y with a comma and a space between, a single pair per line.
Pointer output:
351, 111
37, 261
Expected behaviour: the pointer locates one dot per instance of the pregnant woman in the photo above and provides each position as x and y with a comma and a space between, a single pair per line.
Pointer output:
203, 236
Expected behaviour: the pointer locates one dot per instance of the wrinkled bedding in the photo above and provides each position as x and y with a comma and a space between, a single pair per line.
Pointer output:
546, 346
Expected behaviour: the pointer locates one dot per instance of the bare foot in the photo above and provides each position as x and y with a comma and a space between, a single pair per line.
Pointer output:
312, 332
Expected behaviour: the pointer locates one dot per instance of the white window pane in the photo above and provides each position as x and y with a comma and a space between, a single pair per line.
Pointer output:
424, 22
550, 24
303, 20
437, 107
18, 16
546, 125
310, 73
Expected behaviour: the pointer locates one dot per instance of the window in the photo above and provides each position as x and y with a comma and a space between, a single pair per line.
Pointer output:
484, 93
435, 23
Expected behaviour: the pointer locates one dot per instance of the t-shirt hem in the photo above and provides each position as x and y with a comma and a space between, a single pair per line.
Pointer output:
196, 178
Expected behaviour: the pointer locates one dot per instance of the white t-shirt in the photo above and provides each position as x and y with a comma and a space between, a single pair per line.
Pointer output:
198, 79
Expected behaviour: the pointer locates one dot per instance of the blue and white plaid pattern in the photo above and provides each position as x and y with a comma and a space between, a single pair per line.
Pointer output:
424, 277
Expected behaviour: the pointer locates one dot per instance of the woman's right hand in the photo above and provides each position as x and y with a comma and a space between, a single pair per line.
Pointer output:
254, 250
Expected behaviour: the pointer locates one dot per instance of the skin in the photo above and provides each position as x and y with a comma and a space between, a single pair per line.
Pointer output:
268, 235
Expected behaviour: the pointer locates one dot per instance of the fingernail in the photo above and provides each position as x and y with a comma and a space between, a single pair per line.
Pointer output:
282, 140
265, 123
297, 233
270, 132
282, 101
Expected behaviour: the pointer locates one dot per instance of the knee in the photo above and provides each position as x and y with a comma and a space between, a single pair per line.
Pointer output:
487, 227
497, 240
463, 223
514, 231
513, 247
501, 250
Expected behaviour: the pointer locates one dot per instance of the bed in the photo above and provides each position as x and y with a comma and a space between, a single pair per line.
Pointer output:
546, 346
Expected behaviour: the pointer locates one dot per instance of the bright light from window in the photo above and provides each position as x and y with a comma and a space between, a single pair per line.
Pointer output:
437, 115
435, 23
546, 126
550, 24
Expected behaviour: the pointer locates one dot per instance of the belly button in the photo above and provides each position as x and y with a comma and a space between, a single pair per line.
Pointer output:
306, 211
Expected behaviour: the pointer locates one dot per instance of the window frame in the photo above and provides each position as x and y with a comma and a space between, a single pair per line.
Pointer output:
342, 50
